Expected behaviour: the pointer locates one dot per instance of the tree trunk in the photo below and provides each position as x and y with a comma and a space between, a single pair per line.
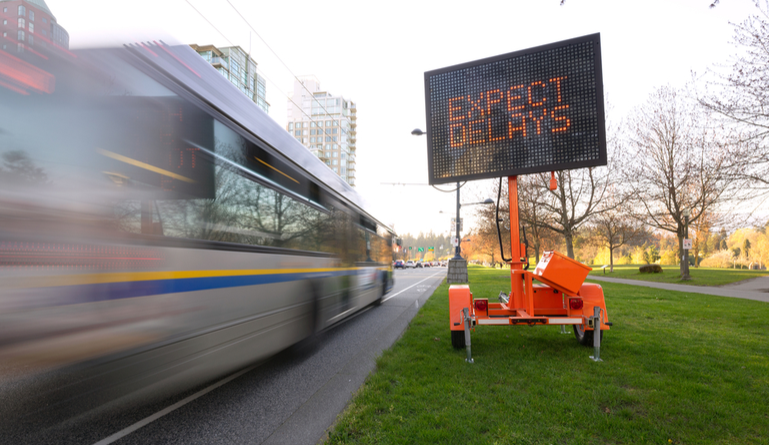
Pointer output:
569, 244
611, 258
680, 235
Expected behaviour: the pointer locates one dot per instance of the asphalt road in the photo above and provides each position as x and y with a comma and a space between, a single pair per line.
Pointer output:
291, 398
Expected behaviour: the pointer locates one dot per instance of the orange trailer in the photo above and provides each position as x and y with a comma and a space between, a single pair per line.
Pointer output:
560, 298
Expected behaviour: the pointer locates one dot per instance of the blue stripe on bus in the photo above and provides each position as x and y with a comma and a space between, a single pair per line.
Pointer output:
89, 293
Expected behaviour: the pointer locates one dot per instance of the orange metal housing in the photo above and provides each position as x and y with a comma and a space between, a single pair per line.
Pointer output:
561, 271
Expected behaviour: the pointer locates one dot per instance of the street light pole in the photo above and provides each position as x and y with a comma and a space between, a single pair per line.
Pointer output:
458, 249
457, 270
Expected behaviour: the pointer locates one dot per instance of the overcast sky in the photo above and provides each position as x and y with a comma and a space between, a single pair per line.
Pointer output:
376, 53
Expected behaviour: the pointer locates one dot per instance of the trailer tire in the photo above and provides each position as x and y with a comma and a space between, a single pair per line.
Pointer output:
584, 337
458, 339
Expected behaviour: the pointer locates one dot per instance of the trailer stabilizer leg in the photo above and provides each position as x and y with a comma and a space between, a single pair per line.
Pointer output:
467, 319
596, 334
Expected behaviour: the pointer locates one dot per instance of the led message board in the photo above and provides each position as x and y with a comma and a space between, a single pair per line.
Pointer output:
535, 110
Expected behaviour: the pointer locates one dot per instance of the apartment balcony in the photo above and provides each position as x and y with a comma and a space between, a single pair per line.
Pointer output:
352, 132
351, 167
320, 155
219, 61
353, 124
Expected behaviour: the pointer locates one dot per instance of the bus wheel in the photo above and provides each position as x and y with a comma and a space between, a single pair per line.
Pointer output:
458, 339
378, 301
585, 338
315, 307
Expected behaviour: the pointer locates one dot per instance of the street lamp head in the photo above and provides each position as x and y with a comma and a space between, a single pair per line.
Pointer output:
418, 132
486, 202
686, 212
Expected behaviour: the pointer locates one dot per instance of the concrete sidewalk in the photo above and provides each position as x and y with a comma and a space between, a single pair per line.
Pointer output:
752, 289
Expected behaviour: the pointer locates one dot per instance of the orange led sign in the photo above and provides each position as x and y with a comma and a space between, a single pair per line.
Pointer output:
530, 111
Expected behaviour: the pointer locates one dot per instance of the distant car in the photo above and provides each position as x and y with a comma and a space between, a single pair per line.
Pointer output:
399, 264
410, 264
427, 264
444, 263
419, 264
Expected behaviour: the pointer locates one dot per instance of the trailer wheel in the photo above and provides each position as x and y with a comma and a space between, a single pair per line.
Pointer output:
585, 338
458, 339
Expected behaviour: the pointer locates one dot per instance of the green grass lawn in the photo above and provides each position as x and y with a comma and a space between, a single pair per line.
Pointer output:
701, 276
678, 368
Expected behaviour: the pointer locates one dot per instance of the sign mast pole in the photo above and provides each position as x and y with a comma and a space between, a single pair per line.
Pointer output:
516, 266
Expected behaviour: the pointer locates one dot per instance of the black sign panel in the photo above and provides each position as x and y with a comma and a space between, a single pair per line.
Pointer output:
535, 110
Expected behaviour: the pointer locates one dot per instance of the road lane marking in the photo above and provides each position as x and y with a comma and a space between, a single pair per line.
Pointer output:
147, 420
404, 290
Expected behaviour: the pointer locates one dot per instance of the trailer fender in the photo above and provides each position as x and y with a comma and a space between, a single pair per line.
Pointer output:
592, 296
460, 297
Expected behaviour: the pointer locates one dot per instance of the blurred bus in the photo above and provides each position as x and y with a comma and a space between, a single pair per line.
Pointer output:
158, 228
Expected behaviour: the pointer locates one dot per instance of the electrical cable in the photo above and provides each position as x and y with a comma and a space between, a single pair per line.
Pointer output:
449, 191
260, 70
276, 55
499, 231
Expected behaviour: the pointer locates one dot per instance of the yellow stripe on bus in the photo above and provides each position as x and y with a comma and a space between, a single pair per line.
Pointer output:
122, 277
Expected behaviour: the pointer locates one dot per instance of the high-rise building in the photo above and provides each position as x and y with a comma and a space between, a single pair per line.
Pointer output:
239, 68
325, 124
29, 28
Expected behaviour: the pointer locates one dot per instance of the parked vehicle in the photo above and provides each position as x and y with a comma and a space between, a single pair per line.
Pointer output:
399, 264
410, 264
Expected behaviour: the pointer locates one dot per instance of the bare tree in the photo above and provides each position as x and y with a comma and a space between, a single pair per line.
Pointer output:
533, 214
679, 164
741, 96
486, 235
700, 234
616, 228
578, 196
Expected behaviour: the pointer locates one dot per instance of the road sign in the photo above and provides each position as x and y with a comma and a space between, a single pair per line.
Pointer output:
535, 110
421, 249
454, 241
687, 244
431, 249
410, 248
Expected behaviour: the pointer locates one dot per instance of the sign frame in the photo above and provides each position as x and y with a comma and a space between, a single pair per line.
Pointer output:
599, 107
